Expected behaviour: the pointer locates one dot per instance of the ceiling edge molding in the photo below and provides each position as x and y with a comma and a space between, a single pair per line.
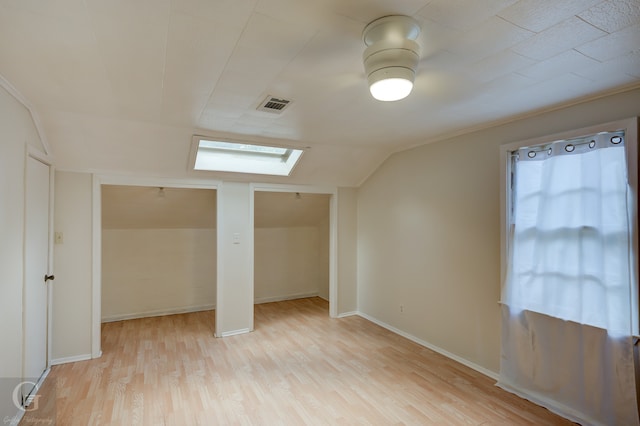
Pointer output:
519, 117
11, 89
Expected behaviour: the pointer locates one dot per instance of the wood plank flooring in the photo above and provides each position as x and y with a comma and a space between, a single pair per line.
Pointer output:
299, 367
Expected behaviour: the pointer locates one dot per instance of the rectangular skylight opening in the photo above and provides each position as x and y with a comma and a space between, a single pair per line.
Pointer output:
225, 156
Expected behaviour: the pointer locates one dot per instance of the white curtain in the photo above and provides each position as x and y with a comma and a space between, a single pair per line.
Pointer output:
567, 302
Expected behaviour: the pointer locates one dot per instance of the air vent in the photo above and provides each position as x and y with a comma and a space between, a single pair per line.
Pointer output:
274, 105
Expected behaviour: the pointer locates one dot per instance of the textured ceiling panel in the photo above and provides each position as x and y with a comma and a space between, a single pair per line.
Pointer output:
462, 14
559, 38
621, 43
131, 38
613, 15
563, 63
194, 64
498, 65
122, 85
538, 15
491, 37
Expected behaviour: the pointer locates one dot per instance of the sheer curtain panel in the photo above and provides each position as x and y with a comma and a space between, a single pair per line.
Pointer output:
568, 298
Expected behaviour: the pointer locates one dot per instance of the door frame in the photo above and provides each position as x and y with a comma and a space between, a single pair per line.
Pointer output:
96, 286
333, 231
46, 159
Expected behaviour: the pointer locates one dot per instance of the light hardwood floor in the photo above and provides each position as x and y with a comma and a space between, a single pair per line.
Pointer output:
298, 367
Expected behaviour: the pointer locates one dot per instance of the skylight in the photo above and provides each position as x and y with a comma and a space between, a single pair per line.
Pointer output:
225, 156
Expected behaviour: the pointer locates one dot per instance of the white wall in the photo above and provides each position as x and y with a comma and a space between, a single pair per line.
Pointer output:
17, 131
234, 313
288, 263
429, 232
72, 287
323, 258
157, 271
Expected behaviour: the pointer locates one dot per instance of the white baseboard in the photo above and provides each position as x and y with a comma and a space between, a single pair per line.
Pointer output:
15, 420
434, 348
158, 313
270, 299
234, 332
68, 359
348, 314
549, 404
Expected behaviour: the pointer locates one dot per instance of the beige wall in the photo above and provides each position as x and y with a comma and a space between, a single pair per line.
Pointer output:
429, 232
323, 258
72, 288
157, 271
288, 263
291, 246
347, 251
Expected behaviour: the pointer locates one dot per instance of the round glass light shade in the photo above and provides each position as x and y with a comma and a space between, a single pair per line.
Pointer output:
391, 89
391, 83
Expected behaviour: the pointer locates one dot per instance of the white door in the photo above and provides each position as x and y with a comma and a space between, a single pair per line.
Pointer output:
35, 312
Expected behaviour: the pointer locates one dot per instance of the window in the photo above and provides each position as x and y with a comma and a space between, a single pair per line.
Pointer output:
570, 233
224, 156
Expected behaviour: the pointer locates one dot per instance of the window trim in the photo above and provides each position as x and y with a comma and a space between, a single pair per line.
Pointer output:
227, 159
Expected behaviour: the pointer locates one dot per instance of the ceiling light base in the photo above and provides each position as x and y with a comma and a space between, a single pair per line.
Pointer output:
393, 27
392, 56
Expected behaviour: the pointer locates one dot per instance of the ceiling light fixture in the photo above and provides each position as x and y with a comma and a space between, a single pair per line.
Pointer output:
392, 56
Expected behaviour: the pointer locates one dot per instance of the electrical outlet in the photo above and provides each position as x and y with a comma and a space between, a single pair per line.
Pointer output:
401, 308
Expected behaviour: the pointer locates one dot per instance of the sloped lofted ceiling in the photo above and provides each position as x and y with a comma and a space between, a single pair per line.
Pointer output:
148, 207
289, 209
121, 85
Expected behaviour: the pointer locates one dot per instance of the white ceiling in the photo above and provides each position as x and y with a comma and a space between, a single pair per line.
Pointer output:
121, 85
